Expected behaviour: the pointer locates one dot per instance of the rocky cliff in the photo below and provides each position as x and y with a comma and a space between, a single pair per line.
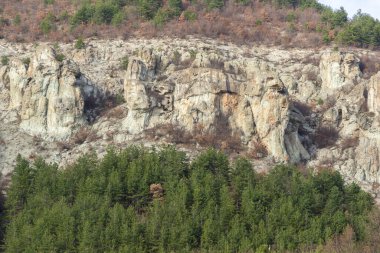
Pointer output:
306, 107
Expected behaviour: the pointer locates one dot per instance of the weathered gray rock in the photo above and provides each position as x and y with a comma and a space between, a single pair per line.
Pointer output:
339, 69
374, 94
199, 84
50, 96
249, 95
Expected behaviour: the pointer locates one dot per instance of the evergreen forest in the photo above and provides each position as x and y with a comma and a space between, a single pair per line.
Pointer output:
157, 200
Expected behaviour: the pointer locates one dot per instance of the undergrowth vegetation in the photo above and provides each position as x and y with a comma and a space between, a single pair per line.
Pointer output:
140, 200
305, 23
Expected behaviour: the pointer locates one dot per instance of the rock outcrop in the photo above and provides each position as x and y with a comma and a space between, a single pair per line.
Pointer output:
301, 106
339, 69
248, 94
50, 96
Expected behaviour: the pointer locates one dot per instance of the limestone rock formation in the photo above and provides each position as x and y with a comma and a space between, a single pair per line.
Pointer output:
249, 95
339, 69
50, 96
302, 106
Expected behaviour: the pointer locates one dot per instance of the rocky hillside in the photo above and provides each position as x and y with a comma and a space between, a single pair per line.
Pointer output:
314, 108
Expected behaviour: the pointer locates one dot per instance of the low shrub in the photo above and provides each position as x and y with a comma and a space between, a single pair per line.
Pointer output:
26, 62
47, 24
325, 136
82, 135
190, 15
304, 108
349, 142
369, 65
258, 151
4, 60
59, 57
79, 44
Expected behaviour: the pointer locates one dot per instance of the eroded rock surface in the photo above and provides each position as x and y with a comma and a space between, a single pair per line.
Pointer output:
302, 106
49, 95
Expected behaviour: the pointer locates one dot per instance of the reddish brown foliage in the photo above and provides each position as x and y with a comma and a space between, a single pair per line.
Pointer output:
255, 23
258, 151
350, 142
325, 136
370, 64
220, 136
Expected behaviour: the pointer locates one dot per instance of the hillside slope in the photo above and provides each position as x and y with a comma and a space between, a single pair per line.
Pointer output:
290, 23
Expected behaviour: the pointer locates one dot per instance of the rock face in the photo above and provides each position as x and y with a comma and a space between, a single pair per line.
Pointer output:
374, 94
50, 96
247, 94
339, 69
301, 106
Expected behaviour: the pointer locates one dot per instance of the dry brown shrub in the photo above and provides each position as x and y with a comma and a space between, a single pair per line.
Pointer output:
304, 108
32, 156
312, 59
342, 243
173, 133
349, 142
312, 76
156, 191
84, 134
375, 186
220, 136
258, 151
115, 113
325, 136
326, 164
370, 64
63, 145
328, 103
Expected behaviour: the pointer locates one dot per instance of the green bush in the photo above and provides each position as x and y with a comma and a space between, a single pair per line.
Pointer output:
59, 57
149, 8
214, 4
47, 24
102, 12
26, 62
161, 17
17, 20
119, 99
175, 7
105, 12
4, 60
291, 17
79, 43
124, 63
118, 18
83, 15
190, 15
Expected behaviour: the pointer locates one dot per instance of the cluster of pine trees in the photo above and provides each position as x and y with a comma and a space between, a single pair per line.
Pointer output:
207, 205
